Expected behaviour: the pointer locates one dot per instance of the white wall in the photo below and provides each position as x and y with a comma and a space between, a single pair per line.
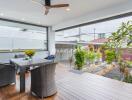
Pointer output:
51, 41
104, 13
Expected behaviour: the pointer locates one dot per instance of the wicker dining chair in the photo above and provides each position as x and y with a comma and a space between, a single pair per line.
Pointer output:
43, 80
7, 74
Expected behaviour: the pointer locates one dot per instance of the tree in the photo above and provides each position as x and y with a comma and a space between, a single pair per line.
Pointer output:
122, 37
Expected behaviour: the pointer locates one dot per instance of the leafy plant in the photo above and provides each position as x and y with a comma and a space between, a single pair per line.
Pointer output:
103, 47
121, 37
79, 57
122, 66
110, 56
90, 55
124, 69
98, 55
128, 78
125, 33
129, 64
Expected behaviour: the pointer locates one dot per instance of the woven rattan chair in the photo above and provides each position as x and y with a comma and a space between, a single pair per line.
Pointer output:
43, 80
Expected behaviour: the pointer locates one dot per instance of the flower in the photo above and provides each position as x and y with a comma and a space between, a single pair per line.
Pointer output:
30, 53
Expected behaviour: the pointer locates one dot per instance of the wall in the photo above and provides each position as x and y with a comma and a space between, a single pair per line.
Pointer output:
51, 41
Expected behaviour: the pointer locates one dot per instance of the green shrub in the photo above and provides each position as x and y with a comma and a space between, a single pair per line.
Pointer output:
122, 66
98, 55
129, 64
110, 56
79, 57
90, 55
128, 78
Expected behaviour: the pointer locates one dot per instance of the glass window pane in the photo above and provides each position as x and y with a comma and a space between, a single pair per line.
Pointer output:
91, 32
18, 38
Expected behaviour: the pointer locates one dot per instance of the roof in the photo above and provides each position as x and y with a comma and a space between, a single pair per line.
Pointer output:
100, 40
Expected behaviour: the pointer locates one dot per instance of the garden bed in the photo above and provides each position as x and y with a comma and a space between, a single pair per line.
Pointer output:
115, 74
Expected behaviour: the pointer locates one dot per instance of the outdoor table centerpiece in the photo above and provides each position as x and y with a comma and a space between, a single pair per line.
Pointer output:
30, 53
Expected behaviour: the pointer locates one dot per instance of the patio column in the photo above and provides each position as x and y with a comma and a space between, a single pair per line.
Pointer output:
51, 41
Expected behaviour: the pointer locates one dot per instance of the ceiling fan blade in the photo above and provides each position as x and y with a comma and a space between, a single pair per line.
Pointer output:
59, 5
46, 10
38, 2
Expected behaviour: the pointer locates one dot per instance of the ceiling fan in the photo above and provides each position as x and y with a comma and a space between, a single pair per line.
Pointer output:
47, 4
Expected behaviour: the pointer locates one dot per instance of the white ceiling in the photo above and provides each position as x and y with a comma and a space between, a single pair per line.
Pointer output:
28, 11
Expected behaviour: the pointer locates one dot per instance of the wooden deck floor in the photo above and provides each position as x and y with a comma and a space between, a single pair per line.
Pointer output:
73, 86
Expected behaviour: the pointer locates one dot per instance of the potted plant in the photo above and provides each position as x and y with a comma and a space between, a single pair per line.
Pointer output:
30, 53
79, 57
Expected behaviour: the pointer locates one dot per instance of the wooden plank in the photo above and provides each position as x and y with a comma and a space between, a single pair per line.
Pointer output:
72, 86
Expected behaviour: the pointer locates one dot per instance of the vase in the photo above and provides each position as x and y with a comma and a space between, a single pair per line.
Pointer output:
30, 58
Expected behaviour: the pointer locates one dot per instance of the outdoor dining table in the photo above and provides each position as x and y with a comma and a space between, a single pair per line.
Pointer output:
23, 63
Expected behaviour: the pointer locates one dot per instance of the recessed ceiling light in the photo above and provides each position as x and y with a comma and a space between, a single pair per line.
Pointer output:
68, 9
23, 19
1, 14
